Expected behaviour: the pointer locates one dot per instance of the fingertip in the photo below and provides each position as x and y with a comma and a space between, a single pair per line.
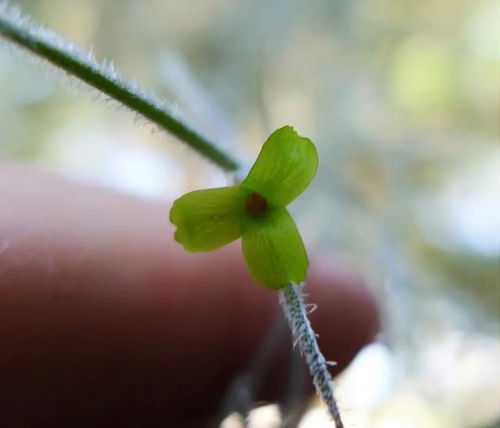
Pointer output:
102, 311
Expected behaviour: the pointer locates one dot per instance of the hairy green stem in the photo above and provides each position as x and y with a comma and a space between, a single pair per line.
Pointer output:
292, 300
54, 49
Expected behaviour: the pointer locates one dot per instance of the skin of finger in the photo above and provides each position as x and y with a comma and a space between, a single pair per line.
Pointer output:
101, 311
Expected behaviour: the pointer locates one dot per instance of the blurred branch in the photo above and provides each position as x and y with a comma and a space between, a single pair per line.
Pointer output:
241, 394
103, 77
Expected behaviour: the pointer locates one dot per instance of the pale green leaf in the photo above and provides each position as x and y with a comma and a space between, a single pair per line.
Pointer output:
208, 219
284, 168
273, 249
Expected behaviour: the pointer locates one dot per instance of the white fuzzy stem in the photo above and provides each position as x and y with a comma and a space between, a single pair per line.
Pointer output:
292, 300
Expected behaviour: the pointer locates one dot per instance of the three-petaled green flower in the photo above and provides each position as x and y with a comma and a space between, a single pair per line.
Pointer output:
256, 211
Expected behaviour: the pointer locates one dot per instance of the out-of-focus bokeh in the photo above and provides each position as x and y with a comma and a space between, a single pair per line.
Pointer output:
402, 99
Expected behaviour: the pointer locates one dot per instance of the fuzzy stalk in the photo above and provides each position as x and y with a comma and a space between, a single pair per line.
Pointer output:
292, 301
56, 50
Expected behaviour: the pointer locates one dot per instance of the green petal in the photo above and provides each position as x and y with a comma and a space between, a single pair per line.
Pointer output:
285, 166
208, 219
273, 250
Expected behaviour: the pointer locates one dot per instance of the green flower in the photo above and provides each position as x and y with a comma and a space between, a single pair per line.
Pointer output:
255, 211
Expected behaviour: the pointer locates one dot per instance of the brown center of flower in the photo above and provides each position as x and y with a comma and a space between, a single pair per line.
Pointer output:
256, 204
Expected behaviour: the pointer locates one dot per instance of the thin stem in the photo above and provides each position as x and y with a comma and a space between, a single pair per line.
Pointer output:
292, 300
56, 50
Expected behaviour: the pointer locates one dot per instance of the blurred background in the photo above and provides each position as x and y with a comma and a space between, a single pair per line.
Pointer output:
402, 99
